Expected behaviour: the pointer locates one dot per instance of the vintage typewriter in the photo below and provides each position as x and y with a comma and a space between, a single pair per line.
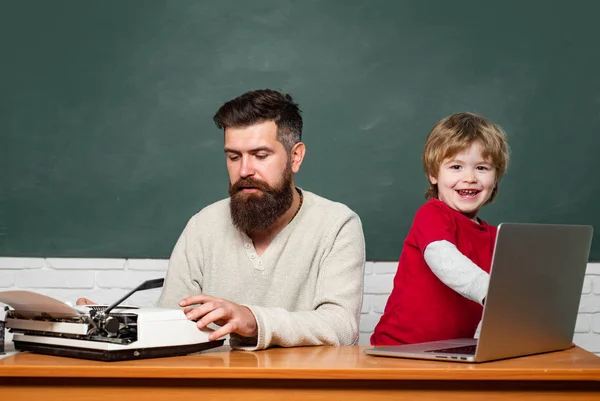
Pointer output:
46, 325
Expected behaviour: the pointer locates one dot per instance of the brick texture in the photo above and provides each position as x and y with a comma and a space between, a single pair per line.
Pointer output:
105, 280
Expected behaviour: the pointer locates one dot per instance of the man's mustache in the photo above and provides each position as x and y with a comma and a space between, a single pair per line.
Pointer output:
249, 183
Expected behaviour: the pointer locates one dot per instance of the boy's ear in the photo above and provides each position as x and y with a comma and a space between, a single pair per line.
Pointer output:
433, 180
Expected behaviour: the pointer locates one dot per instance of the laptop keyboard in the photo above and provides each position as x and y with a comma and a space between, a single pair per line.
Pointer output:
467, 349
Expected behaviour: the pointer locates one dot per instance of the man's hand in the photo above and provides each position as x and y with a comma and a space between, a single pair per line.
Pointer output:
232, 317
84, 301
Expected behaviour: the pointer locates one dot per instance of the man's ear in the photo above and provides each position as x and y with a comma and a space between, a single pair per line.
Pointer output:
297, 155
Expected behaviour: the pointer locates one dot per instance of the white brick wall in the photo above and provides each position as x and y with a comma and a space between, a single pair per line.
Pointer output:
104, 280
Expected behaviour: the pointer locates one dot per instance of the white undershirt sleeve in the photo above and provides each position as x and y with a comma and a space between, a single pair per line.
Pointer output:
456, 270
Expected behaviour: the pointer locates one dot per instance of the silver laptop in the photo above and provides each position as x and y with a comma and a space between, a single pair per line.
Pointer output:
533, 297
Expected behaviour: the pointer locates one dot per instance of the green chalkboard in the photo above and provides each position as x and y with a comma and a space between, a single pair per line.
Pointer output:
107, 146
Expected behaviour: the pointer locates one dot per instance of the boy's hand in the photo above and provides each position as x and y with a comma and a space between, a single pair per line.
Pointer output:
478, 330
232, 317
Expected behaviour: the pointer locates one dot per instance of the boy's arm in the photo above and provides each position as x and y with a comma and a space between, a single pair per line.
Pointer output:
457, 271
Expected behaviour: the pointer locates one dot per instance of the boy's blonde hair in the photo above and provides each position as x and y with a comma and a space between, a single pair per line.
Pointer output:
455, 134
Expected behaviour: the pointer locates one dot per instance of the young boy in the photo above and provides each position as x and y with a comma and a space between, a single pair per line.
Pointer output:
443, 273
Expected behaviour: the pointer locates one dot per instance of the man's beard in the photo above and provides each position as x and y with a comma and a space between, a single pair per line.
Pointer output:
258, 211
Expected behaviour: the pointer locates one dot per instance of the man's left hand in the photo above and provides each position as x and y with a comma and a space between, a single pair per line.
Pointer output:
232, 317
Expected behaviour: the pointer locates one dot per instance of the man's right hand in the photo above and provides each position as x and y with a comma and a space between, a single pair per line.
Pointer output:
84, 301
232, 317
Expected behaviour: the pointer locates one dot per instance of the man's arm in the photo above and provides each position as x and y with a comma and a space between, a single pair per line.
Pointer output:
184, 275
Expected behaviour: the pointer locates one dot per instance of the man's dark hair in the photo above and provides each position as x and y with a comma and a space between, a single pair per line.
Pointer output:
263, 105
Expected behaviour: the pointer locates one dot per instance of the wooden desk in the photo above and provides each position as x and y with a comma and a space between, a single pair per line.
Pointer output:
315, 373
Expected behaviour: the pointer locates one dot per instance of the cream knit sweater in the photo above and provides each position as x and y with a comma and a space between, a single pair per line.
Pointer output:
305, 289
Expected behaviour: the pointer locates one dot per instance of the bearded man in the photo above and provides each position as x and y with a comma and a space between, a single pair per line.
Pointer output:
272, 265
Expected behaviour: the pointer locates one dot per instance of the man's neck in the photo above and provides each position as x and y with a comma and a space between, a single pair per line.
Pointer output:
262, 239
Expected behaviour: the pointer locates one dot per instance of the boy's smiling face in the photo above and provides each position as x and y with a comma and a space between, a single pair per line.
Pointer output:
465, 181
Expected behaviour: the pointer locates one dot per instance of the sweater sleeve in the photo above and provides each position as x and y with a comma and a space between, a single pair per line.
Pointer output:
184, 275
456, 270
337, 302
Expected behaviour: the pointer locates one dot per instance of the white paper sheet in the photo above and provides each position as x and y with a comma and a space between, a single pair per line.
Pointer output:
27, 301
